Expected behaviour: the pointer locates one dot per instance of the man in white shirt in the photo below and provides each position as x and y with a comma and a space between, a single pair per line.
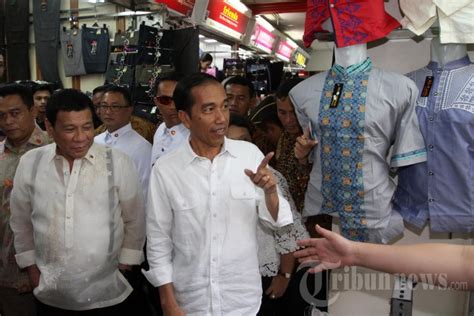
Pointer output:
115, 111
171, 132
77, 215
204, 203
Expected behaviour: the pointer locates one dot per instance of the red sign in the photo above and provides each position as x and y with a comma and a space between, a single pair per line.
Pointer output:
284, 49
181, 6
225, 14
263, 38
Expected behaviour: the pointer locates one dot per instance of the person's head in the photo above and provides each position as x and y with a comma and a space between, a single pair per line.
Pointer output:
164, 88
205, 61
41, 94
286, 110
202, 107
115, 107
240, 128
265, 118
17, 113
241, 95
69, 123
97, 95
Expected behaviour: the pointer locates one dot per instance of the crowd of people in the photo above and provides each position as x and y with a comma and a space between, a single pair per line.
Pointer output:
221, 216
215, 191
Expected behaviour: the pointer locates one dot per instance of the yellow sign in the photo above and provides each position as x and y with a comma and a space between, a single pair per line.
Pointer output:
300, 59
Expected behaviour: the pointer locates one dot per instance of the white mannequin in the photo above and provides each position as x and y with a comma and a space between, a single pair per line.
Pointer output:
349, 55
445, 53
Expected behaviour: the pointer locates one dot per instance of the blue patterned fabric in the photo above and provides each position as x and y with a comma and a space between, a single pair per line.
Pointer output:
441, 189
342, 148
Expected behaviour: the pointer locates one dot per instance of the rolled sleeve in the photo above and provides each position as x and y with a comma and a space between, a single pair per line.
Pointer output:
131, 256
25, 259
284, 212
159, 220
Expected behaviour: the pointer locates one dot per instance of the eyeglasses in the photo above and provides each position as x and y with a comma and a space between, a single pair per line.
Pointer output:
164, 99
112, 108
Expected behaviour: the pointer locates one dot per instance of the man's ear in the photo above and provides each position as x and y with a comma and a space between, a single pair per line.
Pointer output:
184, 118
49, 127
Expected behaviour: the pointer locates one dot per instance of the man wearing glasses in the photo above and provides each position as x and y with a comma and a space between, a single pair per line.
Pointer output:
171, 132
115, 110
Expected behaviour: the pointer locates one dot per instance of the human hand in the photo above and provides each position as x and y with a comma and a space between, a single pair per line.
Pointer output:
124, 267
34, 275
277, 287
303, 146
263, 177
330, 252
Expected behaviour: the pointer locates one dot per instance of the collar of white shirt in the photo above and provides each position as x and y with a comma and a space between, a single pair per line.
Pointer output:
120, 132
91, 155
175, 130
190, 155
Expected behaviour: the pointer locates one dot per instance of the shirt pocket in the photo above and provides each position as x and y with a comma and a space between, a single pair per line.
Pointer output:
186, 218
243, 200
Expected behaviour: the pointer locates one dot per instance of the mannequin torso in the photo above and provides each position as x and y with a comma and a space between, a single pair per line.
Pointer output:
445, 53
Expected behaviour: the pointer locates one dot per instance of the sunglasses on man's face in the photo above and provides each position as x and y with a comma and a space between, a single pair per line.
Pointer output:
164, 99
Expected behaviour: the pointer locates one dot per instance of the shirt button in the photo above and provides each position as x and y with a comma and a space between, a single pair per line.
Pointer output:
213, 193
215, 214
214, 238
331, 5
431, 118
430, 200
430, 173
430, 147
213, 259
436, 93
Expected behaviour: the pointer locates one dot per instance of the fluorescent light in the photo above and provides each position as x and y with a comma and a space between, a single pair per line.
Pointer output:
210, 40
201, 36
132, 13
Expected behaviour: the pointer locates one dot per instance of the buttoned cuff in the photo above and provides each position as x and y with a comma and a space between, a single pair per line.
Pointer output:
26, 259
159, 276
131, 256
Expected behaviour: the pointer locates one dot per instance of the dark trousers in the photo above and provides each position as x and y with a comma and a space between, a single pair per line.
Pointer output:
46, 26
304, 291
17, 24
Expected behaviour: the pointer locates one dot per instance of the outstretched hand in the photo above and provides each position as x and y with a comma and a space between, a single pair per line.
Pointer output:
263, 177
329, 252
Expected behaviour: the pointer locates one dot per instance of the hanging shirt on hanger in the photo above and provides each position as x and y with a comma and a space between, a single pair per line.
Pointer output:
442, 188
354, 21
363, 114
95, 49
71, 48
456, 18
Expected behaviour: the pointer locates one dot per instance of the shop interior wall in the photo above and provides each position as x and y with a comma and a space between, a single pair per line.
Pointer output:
87, 82
219, 51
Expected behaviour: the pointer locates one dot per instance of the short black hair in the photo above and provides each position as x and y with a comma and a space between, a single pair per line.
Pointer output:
172, 76
67, 100
125, 92
100, 88
206, 57
241, 81
42, 87
182, 96
286, 86
265, 113
17, 89
241, 121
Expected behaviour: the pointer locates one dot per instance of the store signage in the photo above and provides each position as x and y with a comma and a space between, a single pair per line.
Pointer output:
284, 50
300, 59
184, 7
227, 17
263, 38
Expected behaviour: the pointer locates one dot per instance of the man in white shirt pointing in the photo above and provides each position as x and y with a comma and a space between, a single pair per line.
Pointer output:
204, 201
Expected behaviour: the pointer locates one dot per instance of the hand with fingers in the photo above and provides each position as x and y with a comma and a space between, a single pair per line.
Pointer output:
329, 252
263, 177
303, 146
277, 287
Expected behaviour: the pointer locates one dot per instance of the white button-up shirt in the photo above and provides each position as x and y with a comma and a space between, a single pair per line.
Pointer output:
201, 227
128, 141
166, 139
77, 225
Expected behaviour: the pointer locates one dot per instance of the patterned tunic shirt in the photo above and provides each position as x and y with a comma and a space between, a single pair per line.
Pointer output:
366, 123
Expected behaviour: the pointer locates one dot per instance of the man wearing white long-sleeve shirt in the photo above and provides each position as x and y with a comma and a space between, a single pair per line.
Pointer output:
77, 216
204, 201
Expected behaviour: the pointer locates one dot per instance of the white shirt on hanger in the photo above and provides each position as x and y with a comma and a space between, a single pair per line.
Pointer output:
202, 220
128, 141
167, 139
